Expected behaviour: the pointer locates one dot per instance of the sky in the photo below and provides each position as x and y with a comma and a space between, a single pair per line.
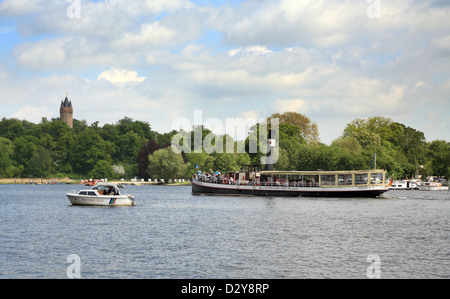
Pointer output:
159, 61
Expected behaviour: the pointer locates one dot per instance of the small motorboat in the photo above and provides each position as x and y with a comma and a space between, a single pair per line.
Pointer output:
102, 194
433, 186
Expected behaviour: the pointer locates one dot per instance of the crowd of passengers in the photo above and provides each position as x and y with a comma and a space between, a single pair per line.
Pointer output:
218, 178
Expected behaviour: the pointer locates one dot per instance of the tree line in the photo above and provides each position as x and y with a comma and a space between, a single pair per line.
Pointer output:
130, 148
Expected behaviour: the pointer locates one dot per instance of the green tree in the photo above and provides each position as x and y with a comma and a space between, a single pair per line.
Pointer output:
40, 164
283, 162
6, 152
142, 158
24, 147
63, 151
128, 146
307, 129
102, 169
88, 149
165, 164
440, 158
413, 145
141, 128
226, 162
362, 132
350, 144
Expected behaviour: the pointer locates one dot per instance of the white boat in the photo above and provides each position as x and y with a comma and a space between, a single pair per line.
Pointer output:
102, 194
432, 186
404, 185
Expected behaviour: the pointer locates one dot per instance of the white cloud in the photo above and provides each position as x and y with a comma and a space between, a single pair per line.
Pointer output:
120, 76
254, 50
19, 7
294, 105
326, 59
150, 35
33, 113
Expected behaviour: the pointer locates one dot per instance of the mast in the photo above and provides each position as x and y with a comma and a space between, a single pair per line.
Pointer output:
374, 161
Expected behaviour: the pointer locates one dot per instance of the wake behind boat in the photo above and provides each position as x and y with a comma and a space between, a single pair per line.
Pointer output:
251, 181
102, 194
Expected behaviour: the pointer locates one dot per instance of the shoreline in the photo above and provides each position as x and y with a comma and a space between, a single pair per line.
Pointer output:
150, 183
37, 181
67, 181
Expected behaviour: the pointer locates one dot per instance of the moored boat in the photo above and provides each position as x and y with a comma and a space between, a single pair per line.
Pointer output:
432, 186
251, 181
404, 185
102, 194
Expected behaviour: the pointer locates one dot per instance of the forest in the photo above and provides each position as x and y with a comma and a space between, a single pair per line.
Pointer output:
130, 148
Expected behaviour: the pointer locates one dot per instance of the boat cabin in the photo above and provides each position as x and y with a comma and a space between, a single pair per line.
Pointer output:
253, 175
102, 189
249, 174
323, 178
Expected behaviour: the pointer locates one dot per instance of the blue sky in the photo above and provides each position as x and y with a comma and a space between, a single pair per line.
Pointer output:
159, 60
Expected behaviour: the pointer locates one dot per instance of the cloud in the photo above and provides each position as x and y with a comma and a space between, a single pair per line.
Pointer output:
150, 35
33, 113
254, 50
160, 59
19, 7
120, 76
289, 105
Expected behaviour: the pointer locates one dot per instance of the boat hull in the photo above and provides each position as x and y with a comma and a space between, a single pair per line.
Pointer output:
115, 201
433, 188
199, 188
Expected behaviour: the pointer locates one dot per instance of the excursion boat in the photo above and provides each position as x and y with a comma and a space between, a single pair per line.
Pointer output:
102, 194
252, 181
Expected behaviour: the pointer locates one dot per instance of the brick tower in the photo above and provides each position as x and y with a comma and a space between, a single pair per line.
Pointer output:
66, 112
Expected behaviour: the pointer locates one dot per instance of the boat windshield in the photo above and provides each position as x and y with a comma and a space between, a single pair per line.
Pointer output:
107, 190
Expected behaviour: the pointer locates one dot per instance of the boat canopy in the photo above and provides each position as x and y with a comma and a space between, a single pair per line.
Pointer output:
319, 172
108, 185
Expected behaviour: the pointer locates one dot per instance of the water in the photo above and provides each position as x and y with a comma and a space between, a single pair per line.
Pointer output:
171, 234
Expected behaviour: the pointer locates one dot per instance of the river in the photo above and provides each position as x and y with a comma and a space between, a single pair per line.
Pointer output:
171, 234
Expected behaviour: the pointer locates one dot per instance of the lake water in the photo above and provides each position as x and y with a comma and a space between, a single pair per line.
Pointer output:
171, 234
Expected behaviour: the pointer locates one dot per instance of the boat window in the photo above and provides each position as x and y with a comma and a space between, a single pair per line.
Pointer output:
361, 178
327, 180
83, 193
344, 179
91, 193
376, 178
310, 181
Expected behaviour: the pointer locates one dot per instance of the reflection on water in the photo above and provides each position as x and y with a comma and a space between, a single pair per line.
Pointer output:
172, 234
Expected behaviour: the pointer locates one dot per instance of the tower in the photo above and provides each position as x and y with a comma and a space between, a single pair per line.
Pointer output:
66, 112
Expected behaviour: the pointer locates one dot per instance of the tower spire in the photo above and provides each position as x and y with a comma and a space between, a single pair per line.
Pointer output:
66, 111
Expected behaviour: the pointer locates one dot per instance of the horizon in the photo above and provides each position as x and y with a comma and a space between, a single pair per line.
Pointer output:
156, 61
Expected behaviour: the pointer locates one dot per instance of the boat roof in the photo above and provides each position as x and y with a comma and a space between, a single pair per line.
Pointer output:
319, 172
109, 185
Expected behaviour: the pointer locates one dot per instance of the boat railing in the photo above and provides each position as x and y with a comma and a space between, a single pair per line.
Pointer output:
226, 181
